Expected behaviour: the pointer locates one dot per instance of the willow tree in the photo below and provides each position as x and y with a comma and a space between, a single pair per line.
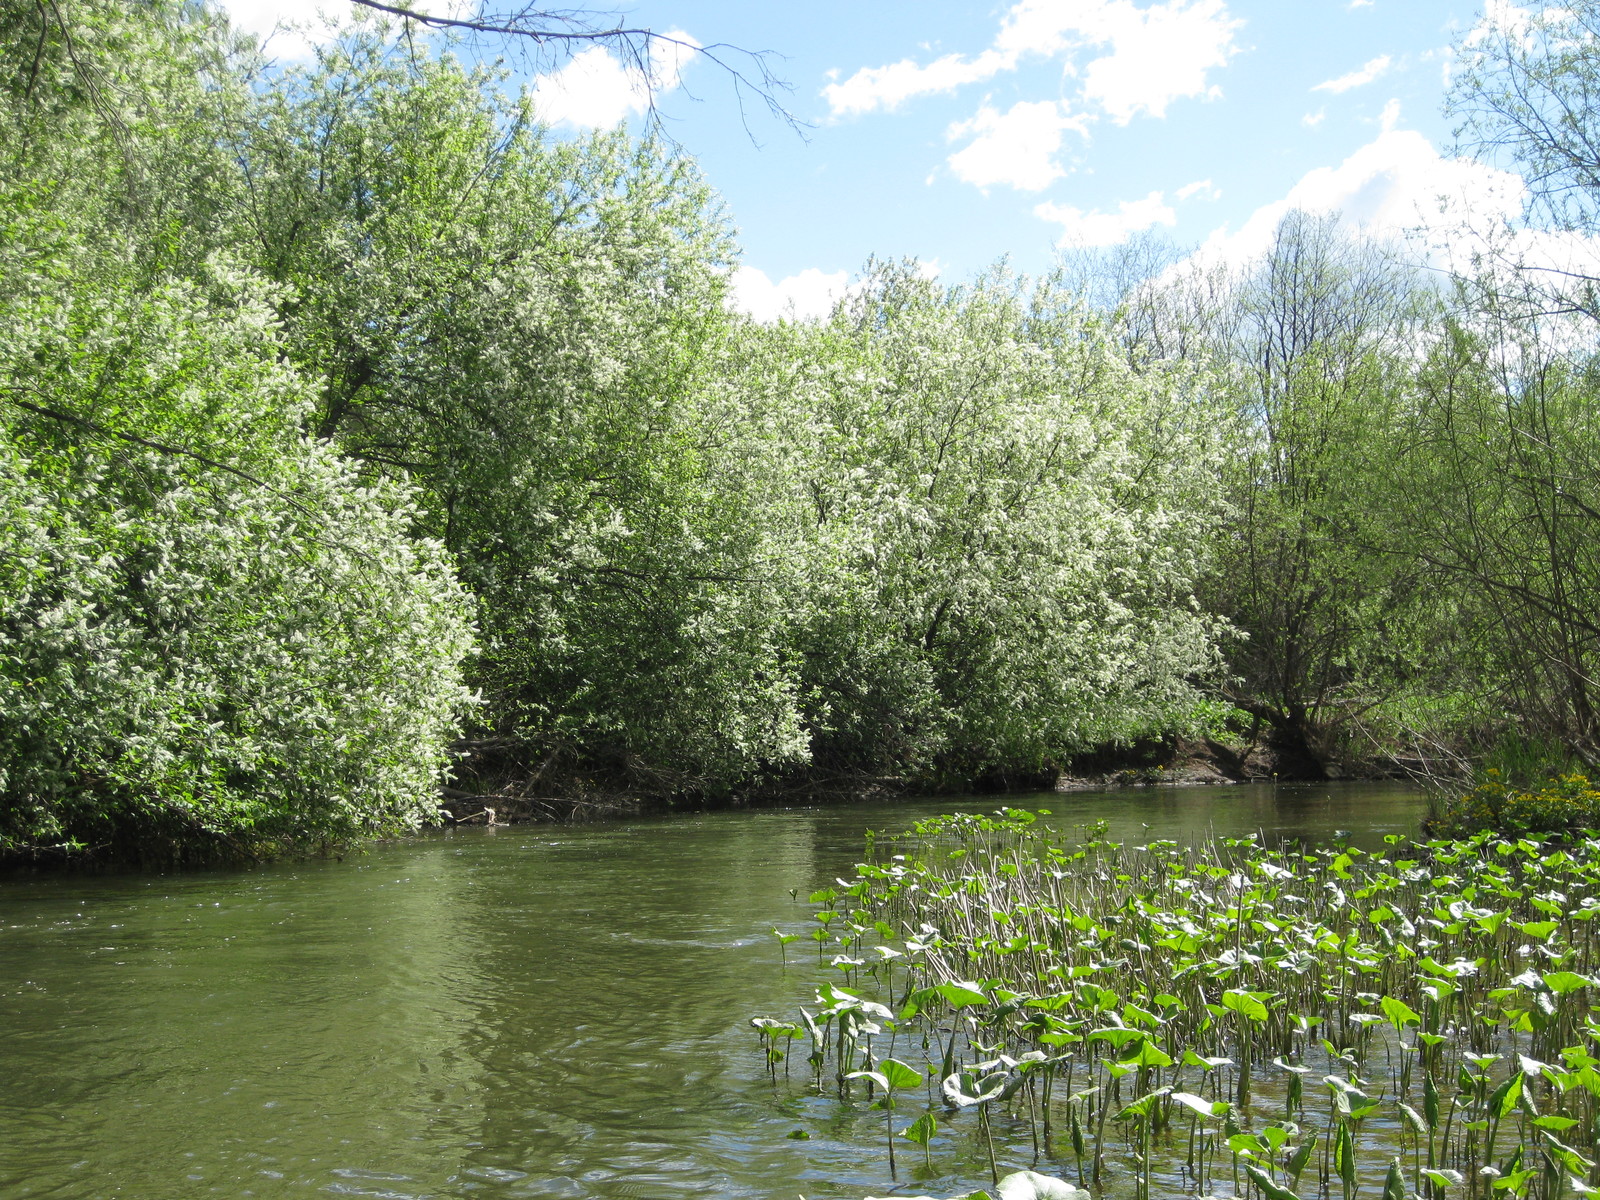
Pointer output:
1319, 356
1508, 398
1500, 500
1525, 95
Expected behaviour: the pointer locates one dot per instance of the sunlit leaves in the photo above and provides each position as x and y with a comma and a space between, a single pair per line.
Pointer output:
216, 638
1478, 1057
999, 519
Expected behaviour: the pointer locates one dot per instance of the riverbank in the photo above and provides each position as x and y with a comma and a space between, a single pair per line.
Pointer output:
505, 797
502, 797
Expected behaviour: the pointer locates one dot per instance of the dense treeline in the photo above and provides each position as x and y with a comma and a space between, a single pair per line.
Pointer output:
1412, 493
361, 437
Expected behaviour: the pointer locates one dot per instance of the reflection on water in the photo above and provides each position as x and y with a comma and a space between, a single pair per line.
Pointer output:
521, 1013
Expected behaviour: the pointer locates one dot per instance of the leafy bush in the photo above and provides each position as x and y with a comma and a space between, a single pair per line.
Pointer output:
213, 636
998, 525
518, 324
1560, 804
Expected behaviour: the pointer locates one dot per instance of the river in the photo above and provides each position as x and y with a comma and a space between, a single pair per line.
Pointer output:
526, 1012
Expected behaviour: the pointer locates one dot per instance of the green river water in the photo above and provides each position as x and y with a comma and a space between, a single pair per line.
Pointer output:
524, 1012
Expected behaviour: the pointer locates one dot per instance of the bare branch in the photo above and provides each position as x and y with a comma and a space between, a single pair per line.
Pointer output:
749, 71
530, 23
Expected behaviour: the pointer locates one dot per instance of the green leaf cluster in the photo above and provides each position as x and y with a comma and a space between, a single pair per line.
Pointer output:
217, 639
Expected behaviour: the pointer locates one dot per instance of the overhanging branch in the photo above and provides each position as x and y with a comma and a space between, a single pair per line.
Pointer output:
749, 70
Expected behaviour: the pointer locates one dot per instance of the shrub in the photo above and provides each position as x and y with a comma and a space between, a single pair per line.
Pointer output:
215, 639
1562, 803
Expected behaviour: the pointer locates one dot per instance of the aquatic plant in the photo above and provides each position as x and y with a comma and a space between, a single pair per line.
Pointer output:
891, 1074
1559, 804
1416, 1021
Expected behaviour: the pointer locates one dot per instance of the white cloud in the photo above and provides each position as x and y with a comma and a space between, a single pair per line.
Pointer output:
669, 55
592, 88
1154, 55
1081, 228
1397, 183
288, 29
889, 87
811, 293
1202, 188
1369, 71
1016, 148
1390, 117
1499, 17
1355, 4
1158, 55
1312, 120
595, 89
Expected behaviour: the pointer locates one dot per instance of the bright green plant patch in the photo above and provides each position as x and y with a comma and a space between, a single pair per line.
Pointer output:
1560, 804
1225, 1019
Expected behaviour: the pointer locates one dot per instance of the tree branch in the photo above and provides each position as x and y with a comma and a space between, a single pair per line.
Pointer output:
567, 28
528, 23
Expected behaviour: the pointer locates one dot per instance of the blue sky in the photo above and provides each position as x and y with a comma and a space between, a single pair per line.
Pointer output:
960, 133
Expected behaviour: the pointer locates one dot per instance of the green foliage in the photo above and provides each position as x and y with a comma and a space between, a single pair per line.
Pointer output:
110, 113
999, 524
215, 639
1524, 94
1409, 551
523, 327
1316, 362
1521, 760
1511, 385
1499, 499
1561, 804
211, 630
943, 531
396, 330
288, 349
1441, 991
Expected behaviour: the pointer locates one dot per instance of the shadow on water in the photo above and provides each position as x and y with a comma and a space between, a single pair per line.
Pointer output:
524, 1012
